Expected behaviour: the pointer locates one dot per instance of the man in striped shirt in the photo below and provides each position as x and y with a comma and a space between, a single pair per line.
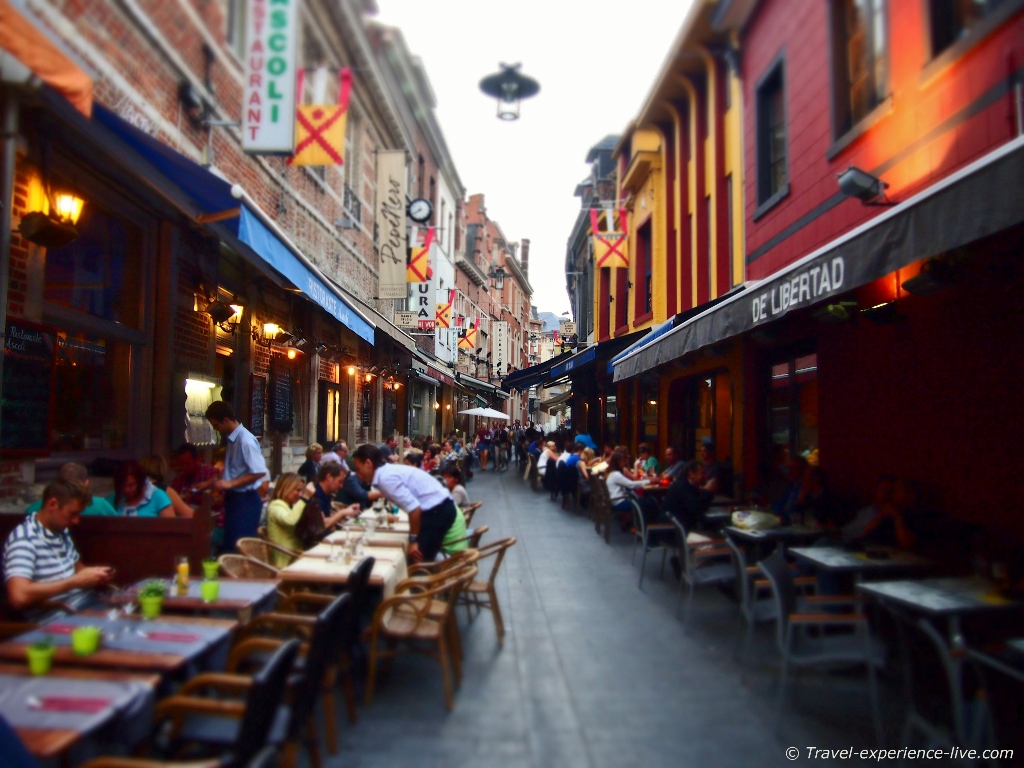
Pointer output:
41, 563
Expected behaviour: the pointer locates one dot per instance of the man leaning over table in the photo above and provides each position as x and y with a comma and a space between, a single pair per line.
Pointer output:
244, 473
429, 504
41, 563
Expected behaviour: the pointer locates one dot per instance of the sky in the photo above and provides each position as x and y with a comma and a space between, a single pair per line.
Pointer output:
596, 62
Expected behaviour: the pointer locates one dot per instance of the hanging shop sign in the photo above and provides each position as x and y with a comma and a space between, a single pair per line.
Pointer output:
418, 269
320, 128
391, 245
271, 42
611, 248
406, 319
500, 348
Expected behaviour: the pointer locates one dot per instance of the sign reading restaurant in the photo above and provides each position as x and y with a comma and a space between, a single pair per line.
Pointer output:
268, 112
803, 287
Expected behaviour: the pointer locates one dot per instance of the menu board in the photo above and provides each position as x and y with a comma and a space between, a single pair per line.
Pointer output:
257, 404
29, 360
280, 388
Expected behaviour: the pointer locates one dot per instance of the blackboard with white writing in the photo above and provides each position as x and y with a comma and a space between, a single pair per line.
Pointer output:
280, 395
257, 404
29, 355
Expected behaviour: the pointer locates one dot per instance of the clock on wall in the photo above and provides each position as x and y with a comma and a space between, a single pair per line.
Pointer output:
420, 210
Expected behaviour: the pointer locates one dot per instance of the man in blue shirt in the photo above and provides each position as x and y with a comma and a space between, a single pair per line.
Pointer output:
244, 472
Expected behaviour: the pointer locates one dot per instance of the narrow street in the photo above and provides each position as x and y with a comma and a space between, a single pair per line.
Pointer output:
595, 672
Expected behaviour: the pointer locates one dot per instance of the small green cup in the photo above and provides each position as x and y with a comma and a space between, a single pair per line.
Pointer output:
40, 658
150, 606
85, 640
211, 569
209, 590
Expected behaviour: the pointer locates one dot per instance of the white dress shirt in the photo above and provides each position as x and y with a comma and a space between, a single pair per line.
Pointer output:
244, 457
409, 487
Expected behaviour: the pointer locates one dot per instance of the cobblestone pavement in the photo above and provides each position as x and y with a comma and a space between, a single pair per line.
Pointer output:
595, 672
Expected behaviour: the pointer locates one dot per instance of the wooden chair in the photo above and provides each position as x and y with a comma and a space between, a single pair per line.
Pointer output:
473, 537
242, 567
416, 617
482, 594
601, 508
469, 511
262, 549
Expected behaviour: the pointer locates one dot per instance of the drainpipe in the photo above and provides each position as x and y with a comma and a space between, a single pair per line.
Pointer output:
10, 142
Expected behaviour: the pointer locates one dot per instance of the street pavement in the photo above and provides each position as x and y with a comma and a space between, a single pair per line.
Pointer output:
595, 672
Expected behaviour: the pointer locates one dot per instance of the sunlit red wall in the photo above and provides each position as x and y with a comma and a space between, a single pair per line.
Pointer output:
936, 125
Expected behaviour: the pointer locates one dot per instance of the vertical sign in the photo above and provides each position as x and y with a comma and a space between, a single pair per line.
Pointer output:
271, 41
391, 249
499, 347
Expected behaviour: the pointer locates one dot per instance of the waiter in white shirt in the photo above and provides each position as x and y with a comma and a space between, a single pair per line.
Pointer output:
429, 504
244, 472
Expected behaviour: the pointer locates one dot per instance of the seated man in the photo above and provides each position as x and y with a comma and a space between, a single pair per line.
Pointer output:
687, 499
40, 561
192, 477
329, 480
892, 520
76, 473
719, 473
673, 464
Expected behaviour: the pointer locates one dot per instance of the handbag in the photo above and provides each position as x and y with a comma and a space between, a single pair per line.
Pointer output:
310, 527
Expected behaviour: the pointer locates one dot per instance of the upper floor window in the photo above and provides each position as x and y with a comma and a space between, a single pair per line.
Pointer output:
953, 19
234, 32
861, 60
772, 165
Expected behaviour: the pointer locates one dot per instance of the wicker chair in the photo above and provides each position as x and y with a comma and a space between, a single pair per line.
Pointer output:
473, 537
242, 567
262, 549
482, 594
469, 510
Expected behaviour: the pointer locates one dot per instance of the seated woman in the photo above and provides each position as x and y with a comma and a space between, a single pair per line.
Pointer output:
646, 463
288, 502
157, 470
135, 495
413, 458
431, 458
619, 486
314, 454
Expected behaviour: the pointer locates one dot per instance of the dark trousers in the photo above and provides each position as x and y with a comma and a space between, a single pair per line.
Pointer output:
241, 516
434, 524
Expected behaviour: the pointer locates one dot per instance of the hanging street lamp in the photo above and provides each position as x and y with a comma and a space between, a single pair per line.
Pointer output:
509, 88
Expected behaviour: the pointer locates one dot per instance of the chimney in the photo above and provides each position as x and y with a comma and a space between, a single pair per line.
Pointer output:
524, 257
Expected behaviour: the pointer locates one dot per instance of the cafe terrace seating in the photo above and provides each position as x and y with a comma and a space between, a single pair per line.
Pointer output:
701, 565
482, 594
642, 535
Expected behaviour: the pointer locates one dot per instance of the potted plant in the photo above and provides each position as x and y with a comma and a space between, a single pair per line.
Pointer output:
40, 656
211, 568
151, 598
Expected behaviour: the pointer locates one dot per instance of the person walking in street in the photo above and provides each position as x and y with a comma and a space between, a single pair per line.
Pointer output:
429, 504
244, 473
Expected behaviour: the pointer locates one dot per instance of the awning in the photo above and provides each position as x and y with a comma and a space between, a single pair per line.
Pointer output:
480, 386
210, 195
952, 213
29, 44
653, 334
420, 376
580, 358
555, 401
534, 375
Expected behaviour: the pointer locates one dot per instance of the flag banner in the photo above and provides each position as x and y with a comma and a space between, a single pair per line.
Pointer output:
271, 44
418, 268
557, 340
468, 342
392, 247
320, 128
611, 249
443, 313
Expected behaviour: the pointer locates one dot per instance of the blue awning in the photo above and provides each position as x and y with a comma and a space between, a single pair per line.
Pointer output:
534, 375
580, 358
199, 191
651, 335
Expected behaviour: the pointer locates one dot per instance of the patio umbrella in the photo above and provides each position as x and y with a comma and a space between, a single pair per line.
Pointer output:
490, 413
474, 411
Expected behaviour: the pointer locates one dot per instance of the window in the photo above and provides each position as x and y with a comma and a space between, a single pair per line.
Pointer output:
93, 379
710, 255
952, 20
234, 33
643, 270
611, 419
860, 59
771, 136
732, 241
352, 150
793, 407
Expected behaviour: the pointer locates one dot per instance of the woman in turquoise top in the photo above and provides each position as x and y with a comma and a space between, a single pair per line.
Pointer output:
647, 463
136, 496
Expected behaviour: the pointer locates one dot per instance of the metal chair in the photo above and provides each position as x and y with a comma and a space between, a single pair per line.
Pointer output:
701, 566
642, 535
801, 649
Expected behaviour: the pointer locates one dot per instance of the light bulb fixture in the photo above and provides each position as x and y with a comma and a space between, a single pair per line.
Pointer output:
437, 406
882, 314
351, 370
291, 354
448, 407
369, 378
652, 402
267, 334
68, 207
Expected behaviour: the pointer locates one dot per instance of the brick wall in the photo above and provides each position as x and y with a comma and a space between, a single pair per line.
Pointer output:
19, 248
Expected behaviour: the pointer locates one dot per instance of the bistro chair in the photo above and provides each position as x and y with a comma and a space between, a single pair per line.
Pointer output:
1003, 685
473, 537
263, 549
242, 567
601, 507
800, 648
417, 617
210, 723
469, 511
642, 534
701, 566
482, 594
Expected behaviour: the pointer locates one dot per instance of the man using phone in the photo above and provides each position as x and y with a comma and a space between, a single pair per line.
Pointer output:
42, 569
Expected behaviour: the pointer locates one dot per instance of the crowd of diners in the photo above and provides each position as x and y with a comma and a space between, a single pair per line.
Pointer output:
43, 572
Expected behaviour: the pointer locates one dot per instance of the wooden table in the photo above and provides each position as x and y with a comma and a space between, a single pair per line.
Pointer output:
388, 570
838, 560
47, 743
240, 597
114, 658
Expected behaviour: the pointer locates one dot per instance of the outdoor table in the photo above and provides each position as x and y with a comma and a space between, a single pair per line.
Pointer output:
54, 725
241, 598
129, 642
839, 560
782, 536
388, 570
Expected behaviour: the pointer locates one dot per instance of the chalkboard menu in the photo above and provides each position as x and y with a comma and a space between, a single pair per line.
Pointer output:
257, 404
280, 395
366, 408
29, 358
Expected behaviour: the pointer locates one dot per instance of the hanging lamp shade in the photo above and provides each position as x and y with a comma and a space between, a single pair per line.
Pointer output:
509, 87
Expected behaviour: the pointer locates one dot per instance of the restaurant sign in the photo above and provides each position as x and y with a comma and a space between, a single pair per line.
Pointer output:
271, 42
391, 235
816, 281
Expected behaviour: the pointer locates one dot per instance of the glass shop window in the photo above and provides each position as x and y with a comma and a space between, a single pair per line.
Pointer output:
793, 407
91, 410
